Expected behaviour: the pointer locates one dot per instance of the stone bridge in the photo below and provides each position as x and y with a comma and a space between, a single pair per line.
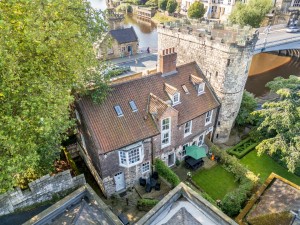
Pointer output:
276, 39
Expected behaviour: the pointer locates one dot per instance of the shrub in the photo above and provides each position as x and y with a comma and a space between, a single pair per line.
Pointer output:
145, 204
162, 4
171, 6
232, 202
196, 10
164, 171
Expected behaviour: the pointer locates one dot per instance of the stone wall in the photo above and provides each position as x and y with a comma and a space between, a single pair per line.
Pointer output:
110, 166
225, 65
39, 190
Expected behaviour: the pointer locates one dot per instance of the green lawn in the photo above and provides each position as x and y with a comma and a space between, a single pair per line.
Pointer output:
216, 182
265, 165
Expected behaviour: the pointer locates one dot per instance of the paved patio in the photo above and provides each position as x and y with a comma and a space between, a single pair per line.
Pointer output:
164, 190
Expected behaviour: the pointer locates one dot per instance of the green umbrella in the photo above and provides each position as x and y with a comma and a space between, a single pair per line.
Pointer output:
196, 152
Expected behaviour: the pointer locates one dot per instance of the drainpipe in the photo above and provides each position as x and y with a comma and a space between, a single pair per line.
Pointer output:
216, 123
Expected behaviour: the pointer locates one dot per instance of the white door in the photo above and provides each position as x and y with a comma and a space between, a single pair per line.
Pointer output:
119, 181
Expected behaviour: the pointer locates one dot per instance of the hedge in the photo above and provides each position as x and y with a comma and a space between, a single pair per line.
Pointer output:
164, 171
242, 148
233, 201
145, 204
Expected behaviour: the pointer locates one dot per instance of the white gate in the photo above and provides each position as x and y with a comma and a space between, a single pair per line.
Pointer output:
119, 181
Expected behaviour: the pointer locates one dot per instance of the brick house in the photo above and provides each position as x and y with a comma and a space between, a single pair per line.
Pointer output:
144, 118
117, 43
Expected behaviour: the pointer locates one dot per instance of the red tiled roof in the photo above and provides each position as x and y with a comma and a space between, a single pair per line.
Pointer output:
156, 106
111, 132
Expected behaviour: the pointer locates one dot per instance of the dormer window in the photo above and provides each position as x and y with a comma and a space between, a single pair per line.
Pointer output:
201, 88
176, 98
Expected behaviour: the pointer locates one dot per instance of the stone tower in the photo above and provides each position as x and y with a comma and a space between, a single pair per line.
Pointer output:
223, 54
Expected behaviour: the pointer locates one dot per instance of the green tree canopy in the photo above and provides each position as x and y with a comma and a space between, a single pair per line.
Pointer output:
171, 6
251, 13
45, 52
280, 126
196, 10
162, 4
248, 105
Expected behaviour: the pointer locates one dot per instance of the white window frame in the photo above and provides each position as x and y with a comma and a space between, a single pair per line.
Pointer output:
201, 88
202, 141
145, 165
208, 117
165, 131
187, 130
177, 100
124, 156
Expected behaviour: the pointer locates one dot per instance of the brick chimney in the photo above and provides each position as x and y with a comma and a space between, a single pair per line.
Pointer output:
167, 61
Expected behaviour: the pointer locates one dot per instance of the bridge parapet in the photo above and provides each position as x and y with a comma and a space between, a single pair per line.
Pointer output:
227, 34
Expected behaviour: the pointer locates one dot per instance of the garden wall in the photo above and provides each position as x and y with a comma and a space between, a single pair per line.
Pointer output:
40, 190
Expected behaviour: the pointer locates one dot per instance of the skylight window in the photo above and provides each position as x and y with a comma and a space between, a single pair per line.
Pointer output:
185, 89
133, 106
118, 110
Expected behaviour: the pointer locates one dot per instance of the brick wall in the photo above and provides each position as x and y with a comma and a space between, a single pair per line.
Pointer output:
39, 190
177, 133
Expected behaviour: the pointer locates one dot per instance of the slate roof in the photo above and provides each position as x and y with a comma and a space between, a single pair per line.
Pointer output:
111, 132
125, 35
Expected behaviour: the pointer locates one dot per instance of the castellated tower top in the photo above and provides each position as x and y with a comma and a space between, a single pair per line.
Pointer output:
214, 32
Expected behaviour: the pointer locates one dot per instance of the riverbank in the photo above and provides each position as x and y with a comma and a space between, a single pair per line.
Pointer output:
162, 18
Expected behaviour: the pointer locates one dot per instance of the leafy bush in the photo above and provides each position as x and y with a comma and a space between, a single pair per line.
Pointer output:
196, 10
171, 6
248, 105
145, 204
242, 148
162, 4
164, 171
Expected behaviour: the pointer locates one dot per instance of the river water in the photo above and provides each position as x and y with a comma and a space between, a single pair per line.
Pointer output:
264, 67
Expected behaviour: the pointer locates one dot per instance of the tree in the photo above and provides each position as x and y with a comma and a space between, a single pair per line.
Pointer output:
171, 6
162, 4
248, 105
196, 10
280, 125
45, 52
251, 13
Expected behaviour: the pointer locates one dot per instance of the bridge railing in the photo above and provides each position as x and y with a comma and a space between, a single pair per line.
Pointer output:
274, 43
